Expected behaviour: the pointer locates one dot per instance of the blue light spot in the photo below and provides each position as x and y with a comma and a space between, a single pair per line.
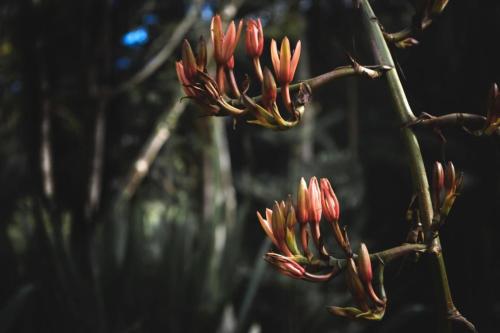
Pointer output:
135, 37
206, 12
150, 19
122, 63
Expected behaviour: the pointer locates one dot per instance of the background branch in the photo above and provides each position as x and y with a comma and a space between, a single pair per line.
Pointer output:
166, 51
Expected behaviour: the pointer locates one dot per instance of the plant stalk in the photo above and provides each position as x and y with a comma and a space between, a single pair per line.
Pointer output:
416, 163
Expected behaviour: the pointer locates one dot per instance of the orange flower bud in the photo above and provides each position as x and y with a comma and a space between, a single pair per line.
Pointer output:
254, 38
314, 200
365, 266
224, 44
284, 64
302, 202
329, 201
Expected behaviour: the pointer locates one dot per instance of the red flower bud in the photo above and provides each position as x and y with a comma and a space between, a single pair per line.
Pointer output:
285, 265
329, 201
188, 61
254, 38
437, 185
224, 44
314, 200
366, 274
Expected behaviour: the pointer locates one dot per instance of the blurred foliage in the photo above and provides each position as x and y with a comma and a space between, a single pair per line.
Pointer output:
181, 253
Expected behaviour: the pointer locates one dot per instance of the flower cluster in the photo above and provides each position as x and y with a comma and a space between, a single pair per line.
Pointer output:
221, 95
314, 202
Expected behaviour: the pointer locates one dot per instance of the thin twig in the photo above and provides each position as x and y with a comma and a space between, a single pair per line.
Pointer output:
94, 194
46, 162
150, 150
166, 51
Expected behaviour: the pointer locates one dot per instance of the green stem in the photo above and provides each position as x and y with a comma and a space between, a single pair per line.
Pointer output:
405, 114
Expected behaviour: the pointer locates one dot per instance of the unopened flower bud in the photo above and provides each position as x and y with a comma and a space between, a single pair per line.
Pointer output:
188, 60
366, 274
329, 202
278, 225
291, 221
224, 44
314, 200
355, 285
269, 90
365, 266
266, 224
302, 202
201, 57
254, 38
450, 181
285, 265
437, 185
284, 64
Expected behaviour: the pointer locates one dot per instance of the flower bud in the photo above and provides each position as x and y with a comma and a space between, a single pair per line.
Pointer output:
254, 38
437, 185
291, 221
314, 200
366, 275
224, 44
329, 202
201, 57
266, 225
450, 182
269, 90
355, 285
365, 266
285, 64
188, 60
285, 265
279, 225
302, 202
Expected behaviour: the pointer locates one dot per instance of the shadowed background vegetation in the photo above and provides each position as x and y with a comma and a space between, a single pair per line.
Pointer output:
122, 210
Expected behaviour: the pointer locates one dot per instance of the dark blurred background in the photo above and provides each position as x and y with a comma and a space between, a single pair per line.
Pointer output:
122, 210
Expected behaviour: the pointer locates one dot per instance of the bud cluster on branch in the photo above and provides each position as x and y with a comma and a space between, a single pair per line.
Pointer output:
315, 202
214, 95
222, 95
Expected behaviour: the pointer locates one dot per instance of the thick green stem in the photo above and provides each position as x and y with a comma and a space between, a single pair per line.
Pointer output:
405, 114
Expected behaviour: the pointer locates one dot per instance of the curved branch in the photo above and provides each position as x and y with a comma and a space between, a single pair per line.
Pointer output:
166, 51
